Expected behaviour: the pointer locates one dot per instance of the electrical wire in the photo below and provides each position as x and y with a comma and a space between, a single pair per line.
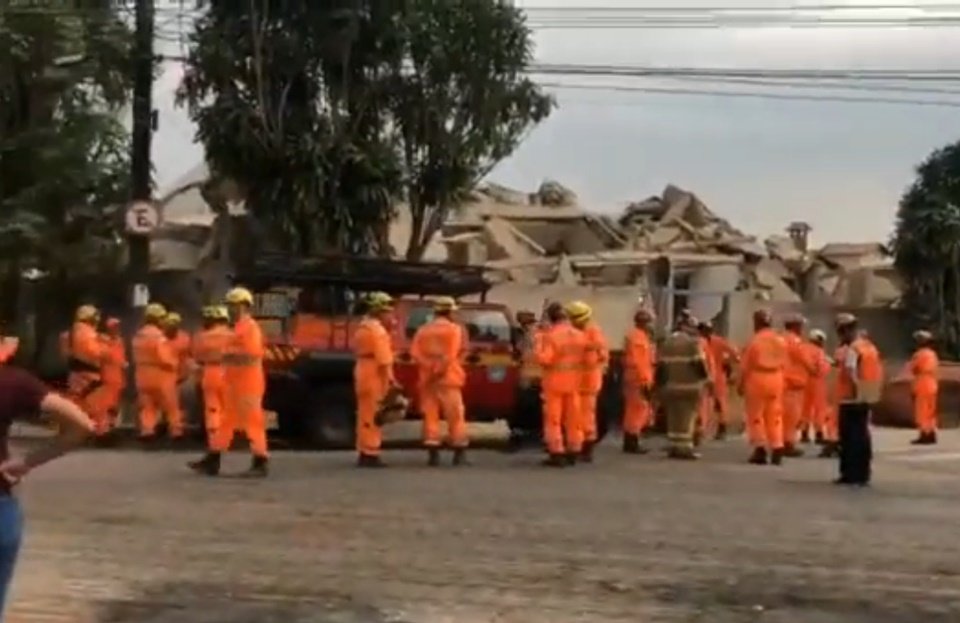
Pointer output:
872, 74
752, 95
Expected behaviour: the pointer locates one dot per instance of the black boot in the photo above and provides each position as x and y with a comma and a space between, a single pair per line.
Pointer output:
149, 442
631, 444
571, 458
829, 450
776, 457
791, 451
555, 460
920, 440
805, 436
818, 439
721, 432
258, 468
209, 465
682, 454
759, 457
586, 454
932, 439
433, 457
460, 457
369, 460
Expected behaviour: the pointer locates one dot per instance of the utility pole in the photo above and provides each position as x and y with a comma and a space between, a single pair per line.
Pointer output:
141, 211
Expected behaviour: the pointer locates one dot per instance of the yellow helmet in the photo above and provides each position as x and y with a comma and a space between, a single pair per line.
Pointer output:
87, 313
379, 301
445, 304
578, 311
154, 311
220, 312
208, 311
172, 319
239, 296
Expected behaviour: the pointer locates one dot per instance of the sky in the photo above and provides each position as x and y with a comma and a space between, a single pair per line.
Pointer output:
760, 163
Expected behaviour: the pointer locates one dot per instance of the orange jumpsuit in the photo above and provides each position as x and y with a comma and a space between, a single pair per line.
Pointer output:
724, 355
246, 384
180, 345
7, 350
155, 362
762, 385
561, 354
209, 349
596, 360
639, 354
815, 397
114, 376
924, 366
796, 377
705, 407
372, 377
85, 376
437, 348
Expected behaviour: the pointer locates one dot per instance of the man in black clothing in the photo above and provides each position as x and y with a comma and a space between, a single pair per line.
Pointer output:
856, 446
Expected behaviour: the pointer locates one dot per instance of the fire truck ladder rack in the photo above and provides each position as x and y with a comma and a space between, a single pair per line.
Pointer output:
364, 274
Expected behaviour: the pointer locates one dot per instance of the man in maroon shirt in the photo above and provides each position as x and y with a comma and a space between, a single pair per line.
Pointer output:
22, 395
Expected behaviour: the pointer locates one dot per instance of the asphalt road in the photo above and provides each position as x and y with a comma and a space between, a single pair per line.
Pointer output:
126, 537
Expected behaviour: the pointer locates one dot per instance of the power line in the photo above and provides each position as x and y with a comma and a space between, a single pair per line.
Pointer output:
640, 71
753, 95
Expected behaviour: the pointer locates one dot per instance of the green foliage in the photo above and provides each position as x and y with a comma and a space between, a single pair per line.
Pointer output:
459, 101
286, 98
63, 151
326, 113
927, 247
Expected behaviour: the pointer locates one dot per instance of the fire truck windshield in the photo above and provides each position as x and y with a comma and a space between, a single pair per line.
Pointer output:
482, 325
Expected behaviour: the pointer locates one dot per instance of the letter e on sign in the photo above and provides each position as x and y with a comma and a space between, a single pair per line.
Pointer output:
142, 218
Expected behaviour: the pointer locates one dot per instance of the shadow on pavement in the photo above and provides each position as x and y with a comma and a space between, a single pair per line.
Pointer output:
195, 603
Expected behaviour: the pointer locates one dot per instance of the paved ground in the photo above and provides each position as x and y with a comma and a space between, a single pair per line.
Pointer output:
125, 537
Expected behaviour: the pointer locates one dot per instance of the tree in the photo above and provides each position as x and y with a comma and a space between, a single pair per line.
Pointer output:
286, 96
63, 151
460, 102
926, 246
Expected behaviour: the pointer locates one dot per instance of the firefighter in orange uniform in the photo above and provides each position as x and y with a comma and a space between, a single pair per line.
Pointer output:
85, 366
8, 348
796, 377
722, 356
209, 349
154, 365
246, 384
707, 396
762, 385
925, 367
437, 349
373, 375
180, 342
596, 361
859, 381
819, 413
639, 355
114, 371
561, 353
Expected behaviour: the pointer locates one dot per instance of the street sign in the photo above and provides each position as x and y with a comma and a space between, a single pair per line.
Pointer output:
141, 295
142, 218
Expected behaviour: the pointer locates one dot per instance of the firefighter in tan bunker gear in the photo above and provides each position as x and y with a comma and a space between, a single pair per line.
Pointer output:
595, 363
681, 376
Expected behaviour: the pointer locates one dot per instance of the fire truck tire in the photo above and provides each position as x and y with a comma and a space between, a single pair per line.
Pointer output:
330, 420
